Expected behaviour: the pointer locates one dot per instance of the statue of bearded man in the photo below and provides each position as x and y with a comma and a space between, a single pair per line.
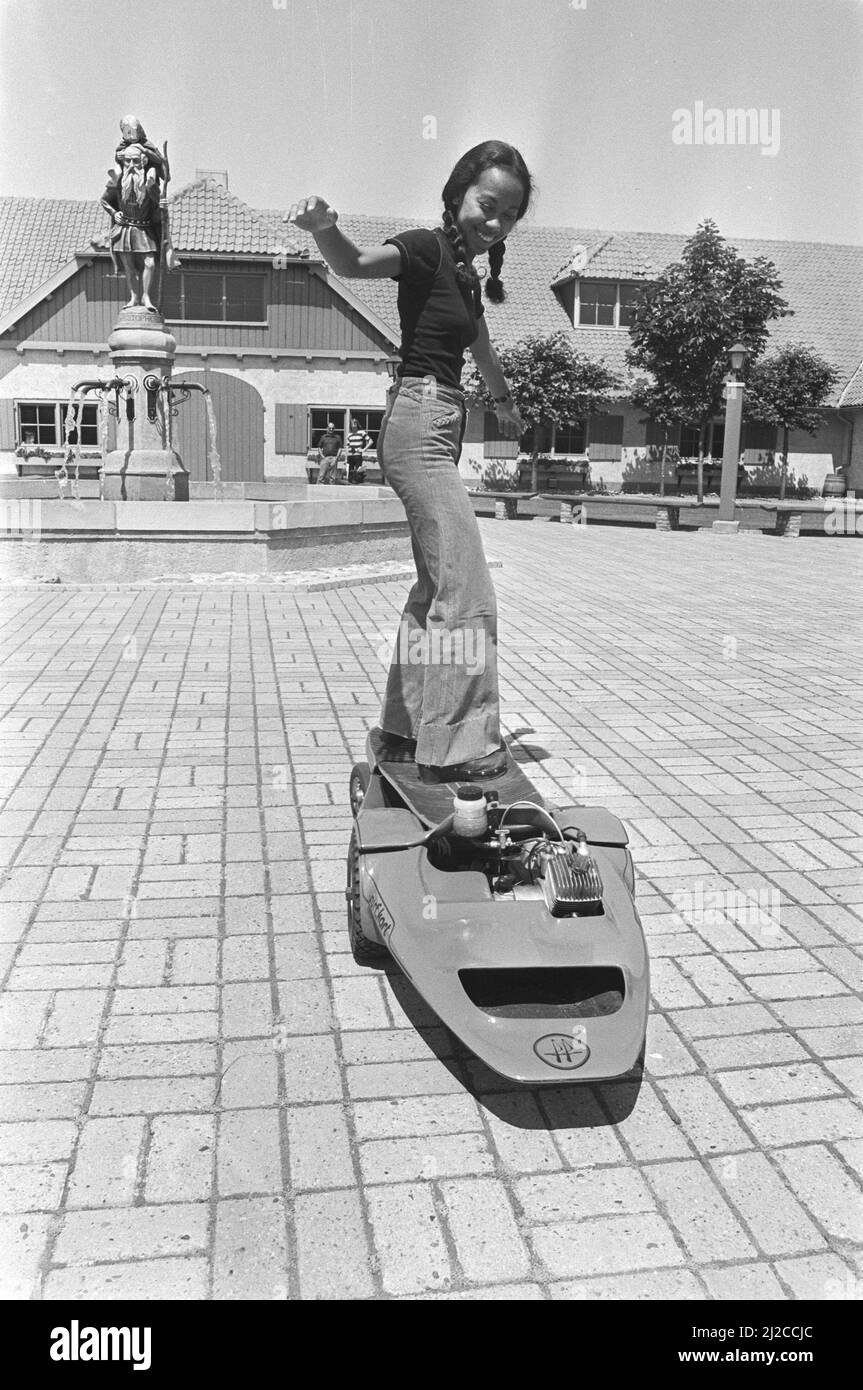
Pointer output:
133, 204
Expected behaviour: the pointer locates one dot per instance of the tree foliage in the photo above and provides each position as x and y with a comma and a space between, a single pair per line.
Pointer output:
550, 381
687, 319
789, 388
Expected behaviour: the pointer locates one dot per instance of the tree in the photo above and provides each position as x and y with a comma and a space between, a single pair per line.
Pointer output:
551, 383
788, 390
685, 321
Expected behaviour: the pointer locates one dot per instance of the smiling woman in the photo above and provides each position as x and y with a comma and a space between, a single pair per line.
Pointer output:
445, 716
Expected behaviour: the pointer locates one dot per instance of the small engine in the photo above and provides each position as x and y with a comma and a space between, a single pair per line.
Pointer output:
523, 861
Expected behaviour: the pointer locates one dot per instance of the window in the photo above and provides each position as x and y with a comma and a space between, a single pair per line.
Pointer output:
597, 300
214, 296
571, 437
340, 417
370, 421
712, 446
43, 423
629, 296
607, 304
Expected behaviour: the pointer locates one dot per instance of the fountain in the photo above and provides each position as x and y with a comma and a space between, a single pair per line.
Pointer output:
144, 466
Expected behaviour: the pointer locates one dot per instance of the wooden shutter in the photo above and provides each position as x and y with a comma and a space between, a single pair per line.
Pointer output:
7, 424
497, 446
606, 438
292, 433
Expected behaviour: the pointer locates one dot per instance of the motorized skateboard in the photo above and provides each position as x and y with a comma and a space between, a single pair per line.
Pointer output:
523, 937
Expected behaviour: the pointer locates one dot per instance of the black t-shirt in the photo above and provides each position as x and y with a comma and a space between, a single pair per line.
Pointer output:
437, 315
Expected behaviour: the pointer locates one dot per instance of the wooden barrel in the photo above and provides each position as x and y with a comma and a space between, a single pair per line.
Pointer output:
835, 485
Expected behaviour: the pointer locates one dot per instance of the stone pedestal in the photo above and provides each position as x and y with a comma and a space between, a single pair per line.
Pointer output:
144, 466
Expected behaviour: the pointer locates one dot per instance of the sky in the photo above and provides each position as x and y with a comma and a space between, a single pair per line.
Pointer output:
370, 102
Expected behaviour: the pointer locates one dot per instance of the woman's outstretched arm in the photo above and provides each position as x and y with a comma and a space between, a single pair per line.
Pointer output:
315, 215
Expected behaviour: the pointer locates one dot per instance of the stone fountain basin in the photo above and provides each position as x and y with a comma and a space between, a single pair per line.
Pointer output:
88, 540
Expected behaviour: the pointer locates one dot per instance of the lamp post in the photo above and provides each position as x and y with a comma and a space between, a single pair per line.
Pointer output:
731, 446
393, 364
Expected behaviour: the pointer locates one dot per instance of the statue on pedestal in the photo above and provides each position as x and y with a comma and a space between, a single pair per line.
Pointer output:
136, 200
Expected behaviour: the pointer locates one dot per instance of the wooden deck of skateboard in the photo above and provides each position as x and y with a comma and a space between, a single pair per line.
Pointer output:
432, 801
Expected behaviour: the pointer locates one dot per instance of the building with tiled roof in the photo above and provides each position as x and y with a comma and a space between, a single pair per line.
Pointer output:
284, 344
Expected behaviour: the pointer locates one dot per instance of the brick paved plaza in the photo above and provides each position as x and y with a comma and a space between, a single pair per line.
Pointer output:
203, 1096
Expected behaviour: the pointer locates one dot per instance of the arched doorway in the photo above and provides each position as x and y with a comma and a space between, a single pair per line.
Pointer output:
239, 413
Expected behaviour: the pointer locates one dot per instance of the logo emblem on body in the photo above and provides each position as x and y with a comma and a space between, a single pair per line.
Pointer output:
381, 913
562, 1051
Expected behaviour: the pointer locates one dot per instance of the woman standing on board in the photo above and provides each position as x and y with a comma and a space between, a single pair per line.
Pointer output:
443, 713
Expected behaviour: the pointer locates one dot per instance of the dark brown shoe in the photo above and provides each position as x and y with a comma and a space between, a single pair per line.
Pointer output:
393, 748
474, 770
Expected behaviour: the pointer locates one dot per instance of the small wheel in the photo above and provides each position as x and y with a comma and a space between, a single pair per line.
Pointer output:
358, 786
365, 952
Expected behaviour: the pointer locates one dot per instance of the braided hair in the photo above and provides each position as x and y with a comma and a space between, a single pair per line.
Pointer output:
491, 154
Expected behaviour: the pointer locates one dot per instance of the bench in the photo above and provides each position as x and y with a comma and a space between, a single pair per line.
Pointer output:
505, 503
667, 509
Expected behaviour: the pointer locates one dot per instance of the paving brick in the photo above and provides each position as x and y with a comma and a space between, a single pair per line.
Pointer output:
797, 1122
156, 1028
144, 1280
319, 1148
750, 1283
23, 1244
249, 1156
298, 957
46, 1064
748, 1050
701, 1217
520, 1134
87, 1237
401, 1079
26, 1187
606, 1245
159, 1059
849, 1071
360, 1004
583, 1194
408, 1239
393, 1119
825, 1189
304, 1007
430, 1157
180, 1158
142, 1096
665, 1053
395, 1045
776, 1219
581, 1129
487, 1240
703, 1115
332, 1248
75, 1018
310, 1066
249, 1075
142, 963
655, 1285
106, 1163
251, 1257
22, 1019
245, 958
818, 1277
42, 1101
169, 1000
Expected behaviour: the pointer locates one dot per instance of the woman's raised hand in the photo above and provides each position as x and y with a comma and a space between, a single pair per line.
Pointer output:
313, 214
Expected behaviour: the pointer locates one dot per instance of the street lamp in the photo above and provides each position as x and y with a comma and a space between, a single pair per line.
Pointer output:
731, 446
393, 364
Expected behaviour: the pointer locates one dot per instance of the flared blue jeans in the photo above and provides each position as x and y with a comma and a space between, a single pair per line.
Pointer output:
442, 686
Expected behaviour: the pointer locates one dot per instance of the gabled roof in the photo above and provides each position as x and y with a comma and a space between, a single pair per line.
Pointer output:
823, 283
